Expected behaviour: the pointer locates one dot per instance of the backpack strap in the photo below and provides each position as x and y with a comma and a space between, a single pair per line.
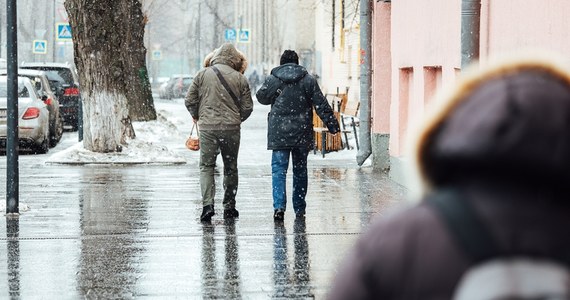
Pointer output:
467, 229
226, 86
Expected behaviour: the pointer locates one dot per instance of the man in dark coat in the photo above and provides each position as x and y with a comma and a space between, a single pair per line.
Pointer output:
219, 118
501, 143
292, 94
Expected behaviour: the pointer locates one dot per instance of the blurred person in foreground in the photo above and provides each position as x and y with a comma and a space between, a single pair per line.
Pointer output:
501, 142
292, 93
219, 119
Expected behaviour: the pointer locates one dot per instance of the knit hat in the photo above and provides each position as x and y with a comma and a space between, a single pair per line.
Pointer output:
289, 56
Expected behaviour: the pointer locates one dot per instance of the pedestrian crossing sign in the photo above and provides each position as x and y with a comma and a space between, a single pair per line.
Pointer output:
244, 36
63, 31
40, 47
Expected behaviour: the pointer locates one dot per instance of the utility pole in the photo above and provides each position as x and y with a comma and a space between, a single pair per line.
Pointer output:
198, 33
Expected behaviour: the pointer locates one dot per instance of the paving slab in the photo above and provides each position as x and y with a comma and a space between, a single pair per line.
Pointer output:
133, 232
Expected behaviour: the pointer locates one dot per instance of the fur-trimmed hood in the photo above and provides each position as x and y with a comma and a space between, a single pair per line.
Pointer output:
507, 121
227, 54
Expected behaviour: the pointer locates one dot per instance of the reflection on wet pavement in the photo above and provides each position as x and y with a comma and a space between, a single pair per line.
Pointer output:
13, 251
291, 281
133, 232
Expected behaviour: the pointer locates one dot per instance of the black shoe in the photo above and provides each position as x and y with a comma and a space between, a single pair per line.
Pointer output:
231, 213
300, 215
279, 215
207, 213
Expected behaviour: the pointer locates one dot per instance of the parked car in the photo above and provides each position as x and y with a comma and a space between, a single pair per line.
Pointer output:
47, 91
165, 89
181, 86
175, 87
69, 98
33, 117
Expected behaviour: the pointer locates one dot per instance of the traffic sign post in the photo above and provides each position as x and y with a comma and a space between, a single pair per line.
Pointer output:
244, 36
40, 47
63, 31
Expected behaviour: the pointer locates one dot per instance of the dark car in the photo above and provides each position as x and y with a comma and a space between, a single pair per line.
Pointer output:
65, 78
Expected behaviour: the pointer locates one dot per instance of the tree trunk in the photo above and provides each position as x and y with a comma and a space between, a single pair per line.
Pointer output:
139, 94
103, 39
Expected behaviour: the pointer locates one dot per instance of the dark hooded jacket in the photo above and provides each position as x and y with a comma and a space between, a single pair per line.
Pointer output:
209, 102
502, 143
292, 94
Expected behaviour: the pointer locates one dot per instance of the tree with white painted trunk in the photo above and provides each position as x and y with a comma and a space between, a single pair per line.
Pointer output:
110, 58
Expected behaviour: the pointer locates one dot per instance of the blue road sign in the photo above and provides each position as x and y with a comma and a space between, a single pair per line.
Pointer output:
63, 31
230, 34
244, 36
40, 47
156, 55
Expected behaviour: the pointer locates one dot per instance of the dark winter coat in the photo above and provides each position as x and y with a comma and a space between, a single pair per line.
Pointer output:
292, 94
503, 142
209, 102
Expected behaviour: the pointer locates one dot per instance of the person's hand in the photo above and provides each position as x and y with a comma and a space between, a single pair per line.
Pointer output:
195, 120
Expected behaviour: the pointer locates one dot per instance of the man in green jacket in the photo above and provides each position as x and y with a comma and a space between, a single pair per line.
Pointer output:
219, 114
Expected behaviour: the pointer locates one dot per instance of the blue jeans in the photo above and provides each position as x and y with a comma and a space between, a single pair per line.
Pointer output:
279, 166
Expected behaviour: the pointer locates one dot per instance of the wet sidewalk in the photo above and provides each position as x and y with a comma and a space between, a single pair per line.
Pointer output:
133, 231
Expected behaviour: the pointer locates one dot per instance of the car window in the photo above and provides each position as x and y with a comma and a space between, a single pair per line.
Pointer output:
36, 81
22, 90
59, 74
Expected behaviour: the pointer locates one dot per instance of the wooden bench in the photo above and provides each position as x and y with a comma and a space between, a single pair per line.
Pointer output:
324, 141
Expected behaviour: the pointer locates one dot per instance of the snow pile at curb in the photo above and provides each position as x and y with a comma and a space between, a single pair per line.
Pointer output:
147, 148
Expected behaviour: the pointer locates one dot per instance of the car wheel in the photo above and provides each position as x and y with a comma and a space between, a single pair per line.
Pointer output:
43, 148
57, 134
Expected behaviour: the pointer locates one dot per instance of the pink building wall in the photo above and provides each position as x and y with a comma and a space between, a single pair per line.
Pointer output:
425, 53
508, 25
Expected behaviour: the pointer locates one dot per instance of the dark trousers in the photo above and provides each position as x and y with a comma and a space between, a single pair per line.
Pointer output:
212, 143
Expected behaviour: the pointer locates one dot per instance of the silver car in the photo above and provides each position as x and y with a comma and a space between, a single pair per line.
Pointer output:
47, 90
33, 117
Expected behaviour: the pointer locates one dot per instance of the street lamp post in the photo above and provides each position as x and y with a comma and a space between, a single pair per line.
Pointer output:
12, 171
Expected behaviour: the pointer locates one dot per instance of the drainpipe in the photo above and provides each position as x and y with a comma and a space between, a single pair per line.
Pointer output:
470, 30
365, 79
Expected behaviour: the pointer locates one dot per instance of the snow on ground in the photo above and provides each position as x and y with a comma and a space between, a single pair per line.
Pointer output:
156, 139
149, 147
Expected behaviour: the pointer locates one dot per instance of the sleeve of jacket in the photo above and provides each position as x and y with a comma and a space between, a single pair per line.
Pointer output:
192, 100
322, 107
246, 102
269, 90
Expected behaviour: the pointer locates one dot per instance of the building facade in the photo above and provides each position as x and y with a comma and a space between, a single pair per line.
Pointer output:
337, 40
418, 51
274, 26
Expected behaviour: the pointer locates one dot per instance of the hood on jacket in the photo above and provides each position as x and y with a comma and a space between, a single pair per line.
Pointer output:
227, 54
506, 122
289, 73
